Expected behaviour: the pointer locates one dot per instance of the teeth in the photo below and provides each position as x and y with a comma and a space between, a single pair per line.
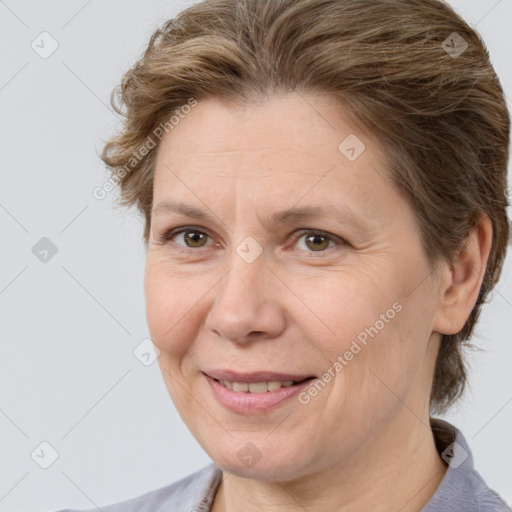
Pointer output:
240, 386
273, 385
227, 384
256, 387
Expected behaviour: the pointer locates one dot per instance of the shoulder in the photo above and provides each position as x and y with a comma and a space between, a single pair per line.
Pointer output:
462, 488
193, 492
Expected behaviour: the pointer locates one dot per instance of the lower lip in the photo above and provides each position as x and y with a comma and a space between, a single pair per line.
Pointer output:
253, 403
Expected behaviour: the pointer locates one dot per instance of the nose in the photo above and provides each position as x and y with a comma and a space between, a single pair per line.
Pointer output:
247, 305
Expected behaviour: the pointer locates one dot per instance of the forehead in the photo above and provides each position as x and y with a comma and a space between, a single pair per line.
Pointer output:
267, 149
287, 133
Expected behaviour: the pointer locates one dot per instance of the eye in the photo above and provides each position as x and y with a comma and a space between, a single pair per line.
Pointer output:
190, 236
317, 241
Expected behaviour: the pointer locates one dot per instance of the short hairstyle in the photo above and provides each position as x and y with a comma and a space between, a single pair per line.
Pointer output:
402, 72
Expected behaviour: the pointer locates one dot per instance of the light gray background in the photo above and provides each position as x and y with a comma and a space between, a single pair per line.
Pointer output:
69, 326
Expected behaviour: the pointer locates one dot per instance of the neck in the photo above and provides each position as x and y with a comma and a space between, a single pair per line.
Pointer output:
399, 469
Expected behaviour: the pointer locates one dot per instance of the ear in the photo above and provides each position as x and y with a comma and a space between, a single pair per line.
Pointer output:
462, 279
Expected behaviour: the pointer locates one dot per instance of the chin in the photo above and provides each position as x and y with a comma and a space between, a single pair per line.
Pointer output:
264, 463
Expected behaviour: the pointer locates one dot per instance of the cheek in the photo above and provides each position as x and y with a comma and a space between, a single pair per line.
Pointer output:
352, 310
384, 371
371, 337
172, 306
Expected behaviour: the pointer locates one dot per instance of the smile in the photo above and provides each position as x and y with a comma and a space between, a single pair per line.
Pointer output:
254, 393
256, 387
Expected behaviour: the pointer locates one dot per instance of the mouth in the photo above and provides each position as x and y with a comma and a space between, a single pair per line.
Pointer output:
254, 393
259, 387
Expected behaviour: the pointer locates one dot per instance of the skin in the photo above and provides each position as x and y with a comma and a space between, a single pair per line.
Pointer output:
363, 442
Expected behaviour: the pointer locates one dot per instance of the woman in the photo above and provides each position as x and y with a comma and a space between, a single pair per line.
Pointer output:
323, 185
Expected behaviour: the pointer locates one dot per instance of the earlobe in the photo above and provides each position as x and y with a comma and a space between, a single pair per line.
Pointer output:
462, 280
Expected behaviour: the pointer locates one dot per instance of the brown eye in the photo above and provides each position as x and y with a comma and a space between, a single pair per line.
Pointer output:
186, 237
195, 238
317, 242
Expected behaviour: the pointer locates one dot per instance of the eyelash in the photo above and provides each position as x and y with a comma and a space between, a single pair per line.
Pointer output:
166, 237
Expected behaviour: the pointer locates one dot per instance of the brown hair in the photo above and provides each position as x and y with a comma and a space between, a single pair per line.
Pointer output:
400, 68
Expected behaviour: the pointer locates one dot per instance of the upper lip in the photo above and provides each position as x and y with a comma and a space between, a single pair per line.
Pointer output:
232, 376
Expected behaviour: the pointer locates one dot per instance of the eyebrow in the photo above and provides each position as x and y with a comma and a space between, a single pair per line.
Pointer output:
342, 214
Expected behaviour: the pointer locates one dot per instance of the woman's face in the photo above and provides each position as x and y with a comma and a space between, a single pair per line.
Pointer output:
295, 259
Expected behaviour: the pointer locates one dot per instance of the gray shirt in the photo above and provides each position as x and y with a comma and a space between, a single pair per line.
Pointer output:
461, 490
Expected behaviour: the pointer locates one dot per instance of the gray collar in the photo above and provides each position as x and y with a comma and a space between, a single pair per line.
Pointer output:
462, 489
